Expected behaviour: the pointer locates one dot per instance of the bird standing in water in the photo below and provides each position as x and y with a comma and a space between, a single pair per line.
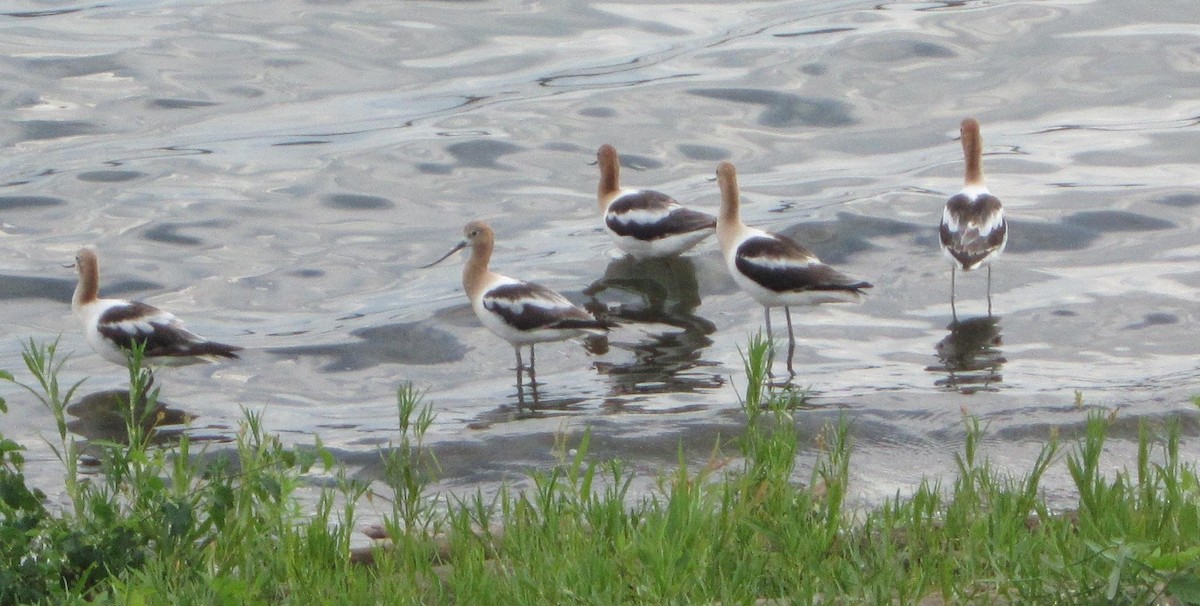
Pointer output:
522, 313
112, 326
974, 231
642, 222
773, 269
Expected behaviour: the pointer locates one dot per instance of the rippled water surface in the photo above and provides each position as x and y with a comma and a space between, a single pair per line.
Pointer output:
276, 172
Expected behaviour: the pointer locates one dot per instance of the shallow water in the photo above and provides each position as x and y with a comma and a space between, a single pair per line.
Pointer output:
275, 173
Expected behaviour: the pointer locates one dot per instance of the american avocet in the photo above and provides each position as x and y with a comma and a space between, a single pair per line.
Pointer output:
974, 231
773, 269
646, 223
112, 326
522, 313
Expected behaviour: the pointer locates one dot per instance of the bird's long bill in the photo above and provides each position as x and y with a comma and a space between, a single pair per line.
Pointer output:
460, 246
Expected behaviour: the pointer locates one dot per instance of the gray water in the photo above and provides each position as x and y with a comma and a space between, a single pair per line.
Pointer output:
276, 172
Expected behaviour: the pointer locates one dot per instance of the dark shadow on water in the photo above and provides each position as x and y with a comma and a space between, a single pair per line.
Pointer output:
1078, 231
1105, 221
42, 130
11, 203
937, 6
99, 417
704, 153
170, 103
1028, 236
637, 162
968, 356
45, 13
547, 406
478, 153
836, 241
74, 66
357, 202
655, 291
816, 32
109, 176
785, 110
170, 232
60, 289
1152, 319
404, 343
1183, 200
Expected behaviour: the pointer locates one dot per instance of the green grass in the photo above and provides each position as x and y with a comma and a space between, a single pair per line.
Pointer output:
176, 526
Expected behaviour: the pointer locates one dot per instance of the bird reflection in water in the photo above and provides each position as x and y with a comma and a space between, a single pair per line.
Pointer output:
969, 357
100, 416
656, 291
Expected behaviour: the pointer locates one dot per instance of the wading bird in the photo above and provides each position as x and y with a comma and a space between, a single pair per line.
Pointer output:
973, 231
112, 326
642, 222
522, 313
773, 269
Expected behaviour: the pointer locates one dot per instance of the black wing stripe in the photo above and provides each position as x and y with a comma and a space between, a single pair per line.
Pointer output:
528, 306
641, 200
781, 265
678, 220
139, 322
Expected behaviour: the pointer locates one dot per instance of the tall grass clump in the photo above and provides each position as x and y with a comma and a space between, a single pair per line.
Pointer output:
750, 525
413, 524
409, 467
152, 521
1139, 529
707, 533
45, 557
